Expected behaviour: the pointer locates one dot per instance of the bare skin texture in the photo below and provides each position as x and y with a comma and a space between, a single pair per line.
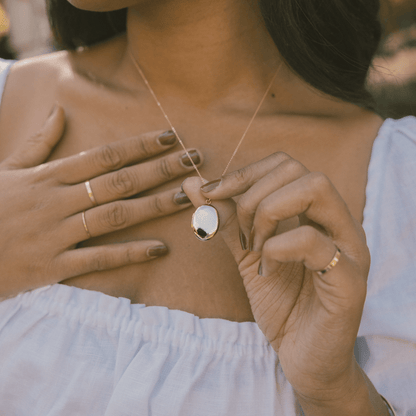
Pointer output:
209, 63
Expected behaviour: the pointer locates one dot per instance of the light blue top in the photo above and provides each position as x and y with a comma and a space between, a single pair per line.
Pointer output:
69, 351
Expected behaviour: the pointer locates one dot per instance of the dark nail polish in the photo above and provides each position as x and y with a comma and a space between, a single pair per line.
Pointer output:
209, 186
251, 240
181, 198
194, 156
243, 240
260, 271
167, 138
157, 251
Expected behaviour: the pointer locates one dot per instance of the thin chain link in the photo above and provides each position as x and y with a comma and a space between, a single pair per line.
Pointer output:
176, 133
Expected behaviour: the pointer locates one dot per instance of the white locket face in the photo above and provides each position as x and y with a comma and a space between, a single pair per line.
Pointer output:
205, 222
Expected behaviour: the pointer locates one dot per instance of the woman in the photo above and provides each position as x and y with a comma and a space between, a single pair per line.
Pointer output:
281, 336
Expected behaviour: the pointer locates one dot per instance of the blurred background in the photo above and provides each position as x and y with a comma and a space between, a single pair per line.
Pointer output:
24, 32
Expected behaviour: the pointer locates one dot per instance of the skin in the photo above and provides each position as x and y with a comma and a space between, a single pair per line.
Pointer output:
105, 100
212, 50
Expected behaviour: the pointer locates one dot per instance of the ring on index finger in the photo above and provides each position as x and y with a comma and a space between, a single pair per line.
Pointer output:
90, 193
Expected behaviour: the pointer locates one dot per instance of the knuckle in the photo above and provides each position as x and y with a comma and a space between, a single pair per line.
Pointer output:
242, 175
165, 170
144, 148
36, 138
110, 157
293, 165
320, 181
99, 261
281, 157
265, 210
244, 209
129, 255
46, 172
157, 206
121, 183
116, 215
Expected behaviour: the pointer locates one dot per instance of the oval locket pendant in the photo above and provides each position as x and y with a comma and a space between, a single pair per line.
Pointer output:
205, 222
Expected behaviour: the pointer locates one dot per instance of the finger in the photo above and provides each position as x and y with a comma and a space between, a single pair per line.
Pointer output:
229, 229
122, 214
286, 172
308, 246
85, 260
95, 162
239, 181
38, 147
313, 196
135, 179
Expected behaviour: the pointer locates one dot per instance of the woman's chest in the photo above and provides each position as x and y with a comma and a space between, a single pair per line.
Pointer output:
199, 277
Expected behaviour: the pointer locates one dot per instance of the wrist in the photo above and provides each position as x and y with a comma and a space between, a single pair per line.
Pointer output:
358, 397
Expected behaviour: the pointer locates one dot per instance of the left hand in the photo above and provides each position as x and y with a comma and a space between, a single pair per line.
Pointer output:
311, 321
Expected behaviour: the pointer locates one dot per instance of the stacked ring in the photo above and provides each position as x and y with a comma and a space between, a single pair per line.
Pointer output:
85, 224
90, 194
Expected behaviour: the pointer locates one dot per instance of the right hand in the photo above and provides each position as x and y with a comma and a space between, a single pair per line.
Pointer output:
42, 204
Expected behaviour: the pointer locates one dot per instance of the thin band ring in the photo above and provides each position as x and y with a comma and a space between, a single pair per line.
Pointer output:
85, 224
90, 194
331, 264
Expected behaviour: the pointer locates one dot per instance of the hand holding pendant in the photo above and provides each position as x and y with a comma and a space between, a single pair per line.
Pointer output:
311, 320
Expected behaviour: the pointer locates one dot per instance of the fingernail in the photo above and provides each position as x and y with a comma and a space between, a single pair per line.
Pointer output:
209, 186
243, 240
194, 156
167, 138
181, 198
182, 186
157, 251
260, 271
251, 240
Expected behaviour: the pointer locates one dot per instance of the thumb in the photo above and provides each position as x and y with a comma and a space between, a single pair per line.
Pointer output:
37, 148
229, 228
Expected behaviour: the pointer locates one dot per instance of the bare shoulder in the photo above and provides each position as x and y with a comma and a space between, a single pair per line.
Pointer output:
28, 96
32, 76
35, 84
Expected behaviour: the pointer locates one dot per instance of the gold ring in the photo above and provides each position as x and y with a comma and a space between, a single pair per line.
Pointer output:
331, 264
90, 194
85, 224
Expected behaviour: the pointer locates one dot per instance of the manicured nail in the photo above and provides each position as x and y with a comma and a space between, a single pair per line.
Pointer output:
181, 198
157, 251
167, 138
209, 186
251, 240
182, 186
243, 240
260, 271
194, 156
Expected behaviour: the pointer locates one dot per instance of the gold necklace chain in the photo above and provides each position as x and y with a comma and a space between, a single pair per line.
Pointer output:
176, 133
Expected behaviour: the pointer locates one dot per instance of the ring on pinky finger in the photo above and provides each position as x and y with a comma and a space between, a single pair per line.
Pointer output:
332, 263
304, 244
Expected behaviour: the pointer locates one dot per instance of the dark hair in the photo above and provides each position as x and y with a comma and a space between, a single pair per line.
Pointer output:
328, 43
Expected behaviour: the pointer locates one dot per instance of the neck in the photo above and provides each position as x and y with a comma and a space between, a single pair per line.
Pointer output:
201, 49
